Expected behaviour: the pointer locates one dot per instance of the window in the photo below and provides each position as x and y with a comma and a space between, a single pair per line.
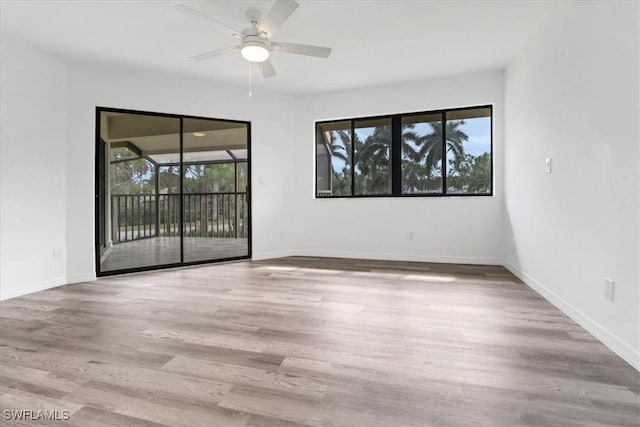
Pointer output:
436, 153
468, 136
372, 146
333, 157
422, 154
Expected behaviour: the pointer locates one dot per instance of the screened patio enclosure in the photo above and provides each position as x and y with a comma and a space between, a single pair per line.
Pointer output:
171, 190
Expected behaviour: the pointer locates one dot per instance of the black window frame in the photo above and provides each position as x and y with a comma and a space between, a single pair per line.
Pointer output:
396, 154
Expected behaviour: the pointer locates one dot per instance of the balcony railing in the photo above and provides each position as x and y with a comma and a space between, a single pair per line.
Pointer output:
140, 216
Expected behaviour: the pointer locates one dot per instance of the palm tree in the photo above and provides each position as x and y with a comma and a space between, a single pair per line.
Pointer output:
415, 176
372, 161
430, 145
338, 145
427, 149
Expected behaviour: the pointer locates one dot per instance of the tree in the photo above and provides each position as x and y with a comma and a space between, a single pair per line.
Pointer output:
200, 181
169, 179
472, 174
417, 177
425, 153
338, 143
430, 145
132, 177
372, 164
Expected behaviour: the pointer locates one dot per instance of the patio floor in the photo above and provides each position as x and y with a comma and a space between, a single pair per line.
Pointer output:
166, 250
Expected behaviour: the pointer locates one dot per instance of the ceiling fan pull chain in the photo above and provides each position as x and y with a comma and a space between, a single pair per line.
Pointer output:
250, 80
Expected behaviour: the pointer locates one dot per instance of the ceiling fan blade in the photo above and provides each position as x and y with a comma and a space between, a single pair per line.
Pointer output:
267, 69
189, 11
301, 49
279, 13
213, 53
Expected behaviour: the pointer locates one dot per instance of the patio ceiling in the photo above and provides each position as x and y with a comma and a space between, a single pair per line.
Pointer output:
158, 138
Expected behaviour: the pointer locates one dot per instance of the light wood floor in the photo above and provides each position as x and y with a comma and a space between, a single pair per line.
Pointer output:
304, 341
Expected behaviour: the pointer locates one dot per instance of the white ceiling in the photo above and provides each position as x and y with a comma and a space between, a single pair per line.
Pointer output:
374, 42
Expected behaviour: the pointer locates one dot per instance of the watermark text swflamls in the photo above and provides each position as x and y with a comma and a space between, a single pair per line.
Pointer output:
39, 415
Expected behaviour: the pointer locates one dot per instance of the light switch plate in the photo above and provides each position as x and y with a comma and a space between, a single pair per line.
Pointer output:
547, 164
609, 287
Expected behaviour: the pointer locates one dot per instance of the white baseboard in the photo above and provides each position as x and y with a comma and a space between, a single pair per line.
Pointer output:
47, 284
258, 256
400, 257
605, 336
79, 278
32, 287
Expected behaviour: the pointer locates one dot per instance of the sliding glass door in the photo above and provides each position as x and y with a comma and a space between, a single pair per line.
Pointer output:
215, 197
170, 190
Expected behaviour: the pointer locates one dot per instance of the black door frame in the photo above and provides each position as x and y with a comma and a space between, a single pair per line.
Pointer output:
99, 181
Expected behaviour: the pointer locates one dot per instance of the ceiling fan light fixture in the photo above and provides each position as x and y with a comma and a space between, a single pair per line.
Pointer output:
254, 52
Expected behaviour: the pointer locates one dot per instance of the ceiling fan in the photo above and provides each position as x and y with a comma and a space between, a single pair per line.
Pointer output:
255, 41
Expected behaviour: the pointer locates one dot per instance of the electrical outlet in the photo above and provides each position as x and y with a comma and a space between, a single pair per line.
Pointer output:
281, 234
547, 165
609, 289
57, 254
411, 236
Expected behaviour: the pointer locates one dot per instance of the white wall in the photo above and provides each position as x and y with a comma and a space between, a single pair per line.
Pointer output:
33, 159
91, 86
572, 95
449, 229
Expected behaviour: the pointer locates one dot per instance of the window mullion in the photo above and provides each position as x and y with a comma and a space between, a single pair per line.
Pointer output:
396, 155
353, 162
444, 153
